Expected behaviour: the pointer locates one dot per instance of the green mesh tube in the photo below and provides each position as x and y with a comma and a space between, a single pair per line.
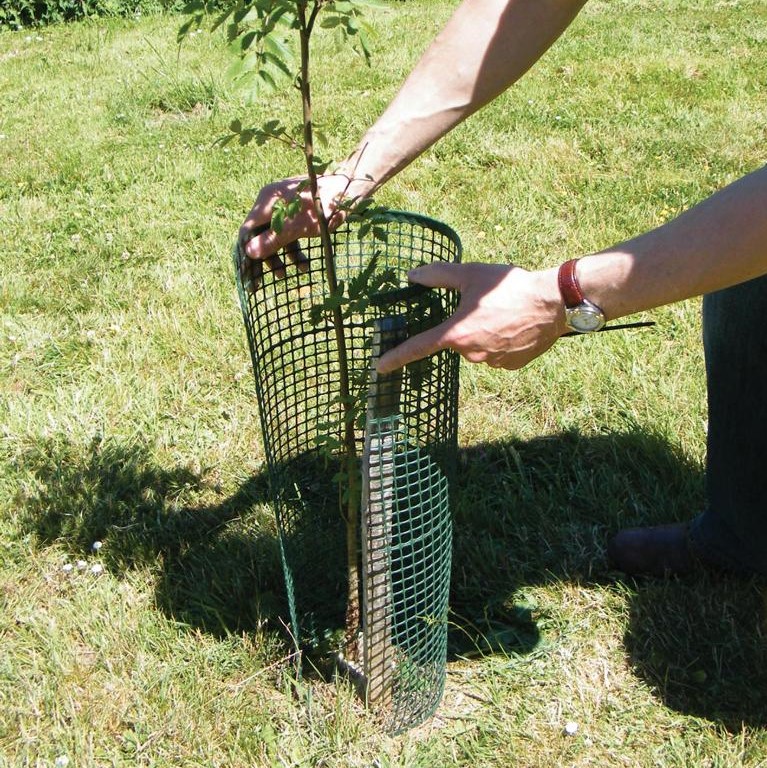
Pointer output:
407, 442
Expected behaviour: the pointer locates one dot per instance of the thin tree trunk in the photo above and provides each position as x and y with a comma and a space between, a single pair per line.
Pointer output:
350, 470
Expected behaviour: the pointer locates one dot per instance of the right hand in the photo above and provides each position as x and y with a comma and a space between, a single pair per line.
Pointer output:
506, 317
261, 244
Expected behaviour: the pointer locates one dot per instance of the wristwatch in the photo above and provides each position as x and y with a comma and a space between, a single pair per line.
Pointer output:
581, 315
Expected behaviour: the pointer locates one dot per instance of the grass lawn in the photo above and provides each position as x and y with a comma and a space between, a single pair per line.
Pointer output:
127, 411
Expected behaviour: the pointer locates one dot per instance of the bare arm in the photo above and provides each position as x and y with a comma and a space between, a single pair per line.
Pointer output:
718, 243
485, 47
508, 316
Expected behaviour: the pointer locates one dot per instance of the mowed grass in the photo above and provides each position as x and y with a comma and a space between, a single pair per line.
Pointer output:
128, 414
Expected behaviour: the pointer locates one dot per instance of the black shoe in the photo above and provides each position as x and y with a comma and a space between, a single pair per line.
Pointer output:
661, 550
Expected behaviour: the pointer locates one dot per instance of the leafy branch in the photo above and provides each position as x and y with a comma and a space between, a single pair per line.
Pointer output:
259, 34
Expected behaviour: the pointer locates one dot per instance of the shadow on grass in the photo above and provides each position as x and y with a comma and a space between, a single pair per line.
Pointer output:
541, 511
526, 513
216, 565
701, 645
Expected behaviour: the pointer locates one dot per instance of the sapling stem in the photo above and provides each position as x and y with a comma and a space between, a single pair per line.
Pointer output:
350, 460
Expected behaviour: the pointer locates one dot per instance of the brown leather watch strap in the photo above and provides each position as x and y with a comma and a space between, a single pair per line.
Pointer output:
568, 284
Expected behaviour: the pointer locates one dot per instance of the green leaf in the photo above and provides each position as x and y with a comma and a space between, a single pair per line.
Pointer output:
240, 12
379, 233
183, 30
247, 40
236, 69
335, 300
278, 216
273, 127
316, 314
223, 141
277, 47
266, 77
364, 45
359, 282
193, 7
320, 136
319, 165
293, 207
221, 18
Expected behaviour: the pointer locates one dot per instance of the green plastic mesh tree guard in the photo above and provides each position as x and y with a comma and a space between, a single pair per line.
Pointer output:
407, 441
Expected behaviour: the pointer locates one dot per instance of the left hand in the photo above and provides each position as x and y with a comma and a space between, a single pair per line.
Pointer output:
506, 317
262, 245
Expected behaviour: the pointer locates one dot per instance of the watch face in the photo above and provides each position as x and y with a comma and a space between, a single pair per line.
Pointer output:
585, 319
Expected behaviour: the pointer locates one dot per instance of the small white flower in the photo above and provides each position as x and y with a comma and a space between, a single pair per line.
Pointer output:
67, 567
571, 728
96, 546
61, 761
81, 565
97, 568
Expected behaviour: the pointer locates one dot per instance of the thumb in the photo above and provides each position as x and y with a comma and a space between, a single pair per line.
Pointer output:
438, 274
415, 348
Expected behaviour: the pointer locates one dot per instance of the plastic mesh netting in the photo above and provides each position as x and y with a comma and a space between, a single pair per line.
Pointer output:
406, 433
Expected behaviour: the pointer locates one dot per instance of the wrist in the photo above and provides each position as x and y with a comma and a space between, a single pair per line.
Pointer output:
362, 171
609, 280
581, 314
378, 157
551, 299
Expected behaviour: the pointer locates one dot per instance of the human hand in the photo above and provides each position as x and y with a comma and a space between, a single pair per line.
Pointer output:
506, 317
262, 244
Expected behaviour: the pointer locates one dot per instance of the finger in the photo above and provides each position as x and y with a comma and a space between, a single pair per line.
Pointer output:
296, 256
277, 265
335, 217
261, 243
415, 348
251, 227
438, 274
250, 274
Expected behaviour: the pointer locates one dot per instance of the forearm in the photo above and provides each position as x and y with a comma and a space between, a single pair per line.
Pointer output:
485, 47
718, 243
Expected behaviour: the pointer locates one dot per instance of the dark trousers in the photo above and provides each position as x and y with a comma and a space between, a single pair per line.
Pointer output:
732, 530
